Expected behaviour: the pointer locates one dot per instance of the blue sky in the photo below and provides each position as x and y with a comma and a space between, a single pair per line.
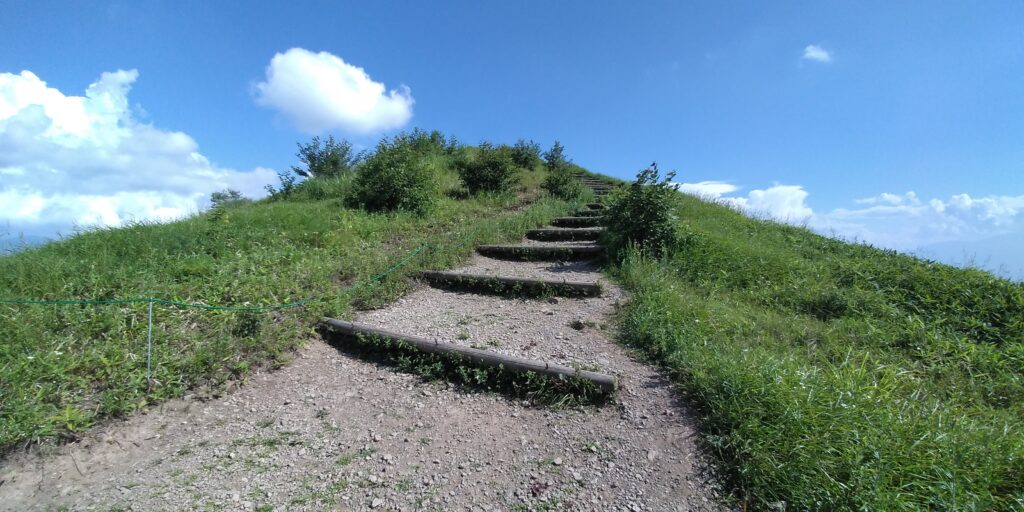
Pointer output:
896, 123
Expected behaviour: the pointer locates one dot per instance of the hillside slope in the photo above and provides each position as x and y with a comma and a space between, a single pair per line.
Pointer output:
65, 365
833, 375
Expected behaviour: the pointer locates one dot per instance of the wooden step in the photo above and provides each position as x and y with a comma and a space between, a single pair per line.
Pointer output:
540, 252
576, 222
564, 234
607, 383
500, 285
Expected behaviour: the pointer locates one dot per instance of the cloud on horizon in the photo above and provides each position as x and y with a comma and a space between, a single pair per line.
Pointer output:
85, 161
903, 222
813, 52
320, 92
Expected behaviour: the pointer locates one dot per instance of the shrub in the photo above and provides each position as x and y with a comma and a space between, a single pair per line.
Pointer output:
554, 158
227, 197
526, 154
422, 143
331, 159
642, 215
560, 181
492, 169
395, 177
287, 186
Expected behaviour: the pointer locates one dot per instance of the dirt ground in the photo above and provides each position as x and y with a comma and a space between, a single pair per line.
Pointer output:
335, 431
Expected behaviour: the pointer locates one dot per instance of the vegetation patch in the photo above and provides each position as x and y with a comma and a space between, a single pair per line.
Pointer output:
835, 376
62, 367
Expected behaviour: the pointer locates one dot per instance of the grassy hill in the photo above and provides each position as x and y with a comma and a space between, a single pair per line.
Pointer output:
836, 376
827, 375
62, 367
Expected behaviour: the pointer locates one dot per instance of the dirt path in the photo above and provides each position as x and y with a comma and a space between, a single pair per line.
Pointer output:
332, 431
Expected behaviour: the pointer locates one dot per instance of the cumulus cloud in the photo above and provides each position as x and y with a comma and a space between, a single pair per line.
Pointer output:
816, 53
85, 161
896, 221
320, 91
783, 202
711, 189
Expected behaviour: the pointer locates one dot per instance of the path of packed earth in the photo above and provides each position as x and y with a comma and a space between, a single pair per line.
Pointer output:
335, 431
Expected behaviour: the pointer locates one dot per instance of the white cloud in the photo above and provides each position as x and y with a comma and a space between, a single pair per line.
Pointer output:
959, 224
320, 91
85, 161
816, 53
783, 202
710, 189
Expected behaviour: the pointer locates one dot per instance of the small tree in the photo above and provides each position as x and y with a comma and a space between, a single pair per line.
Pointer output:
554, 158
227, 197
560, 181
491, 170
526, 154
326, 158
643, 215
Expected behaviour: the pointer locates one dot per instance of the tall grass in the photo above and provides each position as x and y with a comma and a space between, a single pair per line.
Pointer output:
64, 367
836, 376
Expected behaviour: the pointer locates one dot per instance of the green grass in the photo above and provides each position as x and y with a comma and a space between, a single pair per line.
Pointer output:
64, 367
837, 376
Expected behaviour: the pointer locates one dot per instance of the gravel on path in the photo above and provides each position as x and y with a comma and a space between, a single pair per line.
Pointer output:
330, 431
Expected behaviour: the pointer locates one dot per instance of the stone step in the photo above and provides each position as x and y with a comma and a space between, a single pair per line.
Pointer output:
588, 213
501, 285
355, 331
577, 222
564, 234
595, 206
540, 252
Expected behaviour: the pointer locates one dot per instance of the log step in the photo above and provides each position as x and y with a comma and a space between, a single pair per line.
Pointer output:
540, 252
577, 222
563, 234
498, 285
607, 383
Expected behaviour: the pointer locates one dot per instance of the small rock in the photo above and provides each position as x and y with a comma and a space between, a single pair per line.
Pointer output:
557, 461
377, 502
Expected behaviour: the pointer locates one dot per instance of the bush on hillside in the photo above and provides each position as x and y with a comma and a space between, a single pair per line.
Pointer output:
492, 169
395, 177
554, 158
526, 154
228, 197
642, 215
560, 181
422, 143
562, 184
327, 160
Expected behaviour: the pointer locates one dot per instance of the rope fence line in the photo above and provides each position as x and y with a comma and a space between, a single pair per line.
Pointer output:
150, 301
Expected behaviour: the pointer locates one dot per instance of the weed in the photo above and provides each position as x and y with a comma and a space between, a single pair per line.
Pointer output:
348, 458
